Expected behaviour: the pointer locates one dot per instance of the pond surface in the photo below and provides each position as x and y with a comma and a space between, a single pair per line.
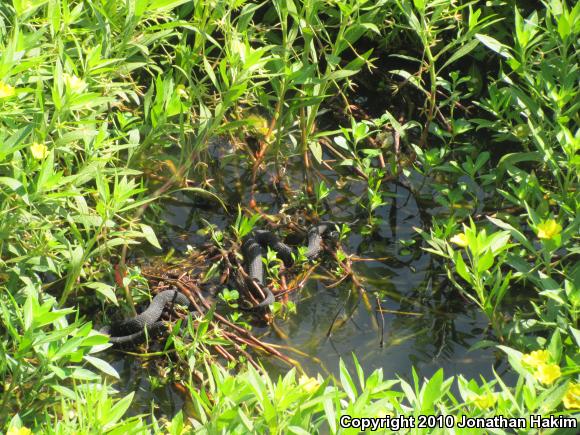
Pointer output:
407, 315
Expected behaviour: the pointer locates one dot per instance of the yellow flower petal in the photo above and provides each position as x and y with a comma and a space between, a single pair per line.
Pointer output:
6, 90
572, 397
547, 373
19, 431
181, 91
309, 384
74, 83
535, 358
548, 229
460, 240
484, 401
39, 150
258, 124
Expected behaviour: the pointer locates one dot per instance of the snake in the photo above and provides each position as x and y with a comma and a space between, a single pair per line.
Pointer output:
253, 248
135, 330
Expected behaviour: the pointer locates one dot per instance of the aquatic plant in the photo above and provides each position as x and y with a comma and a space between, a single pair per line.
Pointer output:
107, 107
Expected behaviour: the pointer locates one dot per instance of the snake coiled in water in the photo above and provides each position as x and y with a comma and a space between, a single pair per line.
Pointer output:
255, 243
135, 330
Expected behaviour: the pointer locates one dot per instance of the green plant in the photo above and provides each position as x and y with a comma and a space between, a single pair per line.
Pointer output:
108, 106
351, 140
244, 225
43, 354
429, 21
321, 192
252, 401
230, 297
539, 183
272, 264
92, 409
478, 261
374, 194
301, 82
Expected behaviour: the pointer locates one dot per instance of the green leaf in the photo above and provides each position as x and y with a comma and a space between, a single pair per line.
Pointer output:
347, 382
46, 171
510, 160
118, 410
298, 430
29, 311
555, 346
494, 45
64, 391
94, 341
246, 421
461, 267
464, 50
74, 270
330, 413
431, 392
516, 234
15, 142
105, 289
11, 183
576, 334
103, 366
499, 290
409, 393
551, 398
316, 150
150, 235
420, 5
497, 242
50, 317
514, 358
341, 142
485, 261
84, 374
205, 193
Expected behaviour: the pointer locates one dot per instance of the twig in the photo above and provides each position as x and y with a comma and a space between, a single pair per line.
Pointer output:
382, 342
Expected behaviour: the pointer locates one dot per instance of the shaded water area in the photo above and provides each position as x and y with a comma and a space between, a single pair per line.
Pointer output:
409, 314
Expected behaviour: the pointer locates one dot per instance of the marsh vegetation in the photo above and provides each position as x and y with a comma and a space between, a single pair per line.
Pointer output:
142, 141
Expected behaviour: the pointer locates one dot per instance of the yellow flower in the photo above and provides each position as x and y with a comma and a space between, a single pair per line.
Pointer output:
549, 229
521, 131
484, 401
19, 431
547, 373
535, 358
6, 90
309, 384
181, 91
258, 124
460, 240
572, 397
39, 150
74, 83
381, 411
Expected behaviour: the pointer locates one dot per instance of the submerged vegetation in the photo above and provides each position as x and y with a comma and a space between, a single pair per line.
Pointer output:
109, 108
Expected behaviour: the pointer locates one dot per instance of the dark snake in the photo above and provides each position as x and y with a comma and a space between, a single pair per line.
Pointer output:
136, 329
253, 248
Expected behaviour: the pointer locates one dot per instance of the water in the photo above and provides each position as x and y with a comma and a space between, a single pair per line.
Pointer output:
405, 313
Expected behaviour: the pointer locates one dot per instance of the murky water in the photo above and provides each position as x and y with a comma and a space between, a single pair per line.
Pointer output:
407, 313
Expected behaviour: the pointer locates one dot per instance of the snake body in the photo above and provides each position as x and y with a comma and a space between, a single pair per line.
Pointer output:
135, 330
152, 313
253, 248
